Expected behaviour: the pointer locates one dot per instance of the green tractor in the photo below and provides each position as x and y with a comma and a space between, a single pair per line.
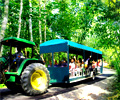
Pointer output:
22, 72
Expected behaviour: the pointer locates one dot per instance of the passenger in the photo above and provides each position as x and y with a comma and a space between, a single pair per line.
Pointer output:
90, 64
74, 59
94, 64
100, 62
99, 65
87, 66
64, 63
83, 69
55, 65
82, 63
79, 68
78, 63
72, 65
86, 62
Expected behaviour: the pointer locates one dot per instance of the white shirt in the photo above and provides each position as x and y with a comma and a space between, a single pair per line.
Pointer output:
72, 65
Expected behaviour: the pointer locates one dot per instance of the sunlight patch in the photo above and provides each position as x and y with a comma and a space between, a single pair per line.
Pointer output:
92, 92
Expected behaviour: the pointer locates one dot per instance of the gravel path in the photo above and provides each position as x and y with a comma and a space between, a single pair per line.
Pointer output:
83, 90
93, 91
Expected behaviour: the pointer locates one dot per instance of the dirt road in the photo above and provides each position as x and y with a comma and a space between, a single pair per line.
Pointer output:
84, 90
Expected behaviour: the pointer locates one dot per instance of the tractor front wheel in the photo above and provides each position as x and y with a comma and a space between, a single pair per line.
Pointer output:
35, 79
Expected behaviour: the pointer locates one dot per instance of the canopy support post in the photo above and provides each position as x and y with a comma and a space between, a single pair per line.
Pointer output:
10, 57
68, 63
52, 59
102, 65
84, 56
97, 60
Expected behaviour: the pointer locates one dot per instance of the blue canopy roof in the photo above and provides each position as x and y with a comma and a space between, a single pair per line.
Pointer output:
59, 45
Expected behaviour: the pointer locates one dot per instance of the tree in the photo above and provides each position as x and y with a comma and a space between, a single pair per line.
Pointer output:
30, 20
19, 28
45, 20
40, 33
5, 19
4, 22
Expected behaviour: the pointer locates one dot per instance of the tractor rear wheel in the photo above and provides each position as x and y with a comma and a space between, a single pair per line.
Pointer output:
35, 79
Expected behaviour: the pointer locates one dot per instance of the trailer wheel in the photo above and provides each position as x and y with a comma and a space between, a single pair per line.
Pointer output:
35, 79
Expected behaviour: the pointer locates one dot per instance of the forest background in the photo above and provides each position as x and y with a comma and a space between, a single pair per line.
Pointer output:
94, 23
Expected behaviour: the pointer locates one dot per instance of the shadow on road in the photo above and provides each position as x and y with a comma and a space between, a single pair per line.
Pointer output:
6, 92
55, 89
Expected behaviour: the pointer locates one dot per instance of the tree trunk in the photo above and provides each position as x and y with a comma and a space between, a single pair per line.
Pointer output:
30, 21
4, 22
45, 21
40, 22
19, 28
5, 19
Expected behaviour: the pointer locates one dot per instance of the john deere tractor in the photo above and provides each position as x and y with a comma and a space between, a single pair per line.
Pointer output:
25, 73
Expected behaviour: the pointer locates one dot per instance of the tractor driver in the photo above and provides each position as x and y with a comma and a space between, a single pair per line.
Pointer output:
17, 57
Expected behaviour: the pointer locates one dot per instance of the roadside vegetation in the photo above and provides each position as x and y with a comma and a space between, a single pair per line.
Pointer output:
2, 86
114, 88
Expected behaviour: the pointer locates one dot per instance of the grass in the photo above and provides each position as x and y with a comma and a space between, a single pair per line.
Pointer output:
2, 86
114, 88
114, 84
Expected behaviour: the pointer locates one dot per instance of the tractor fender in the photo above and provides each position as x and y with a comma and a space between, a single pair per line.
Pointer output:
26, 62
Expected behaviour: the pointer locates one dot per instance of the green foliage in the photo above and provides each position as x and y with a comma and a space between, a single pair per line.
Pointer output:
2, 86
114, 88
94, 23
1, 10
